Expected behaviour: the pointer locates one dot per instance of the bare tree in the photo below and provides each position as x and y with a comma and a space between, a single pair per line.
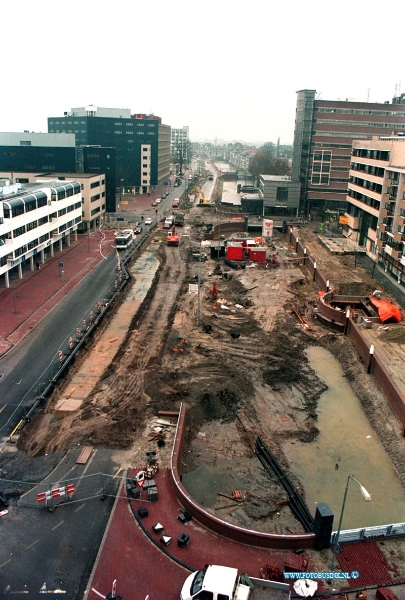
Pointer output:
265, 162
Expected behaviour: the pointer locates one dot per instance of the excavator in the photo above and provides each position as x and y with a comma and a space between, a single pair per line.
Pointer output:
172, 238
203, 200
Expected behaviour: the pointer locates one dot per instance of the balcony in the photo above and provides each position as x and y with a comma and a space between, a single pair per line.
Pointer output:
399, 236
394, 253
387, 210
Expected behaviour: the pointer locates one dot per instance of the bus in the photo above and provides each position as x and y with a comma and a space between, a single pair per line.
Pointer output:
124, 240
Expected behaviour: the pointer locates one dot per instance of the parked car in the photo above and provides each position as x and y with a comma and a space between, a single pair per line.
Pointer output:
148, 221
154, 203
158, 200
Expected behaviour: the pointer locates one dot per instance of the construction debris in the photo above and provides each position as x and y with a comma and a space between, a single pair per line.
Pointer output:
301, 319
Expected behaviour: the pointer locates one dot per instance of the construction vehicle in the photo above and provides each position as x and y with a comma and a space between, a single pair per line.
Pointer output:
179, 219
203, 200
172, 237
218, 582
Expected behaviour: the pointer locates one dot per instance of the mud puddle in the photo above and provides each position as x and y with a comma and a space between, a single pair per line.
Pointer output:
346, 445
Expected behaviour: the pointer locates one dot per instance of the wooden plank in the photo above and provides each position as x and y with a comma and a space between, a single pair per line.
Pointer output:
84, 455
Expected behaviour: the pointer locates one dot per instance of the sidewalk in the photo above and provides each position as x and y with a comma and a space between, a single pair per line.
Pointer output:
29, 300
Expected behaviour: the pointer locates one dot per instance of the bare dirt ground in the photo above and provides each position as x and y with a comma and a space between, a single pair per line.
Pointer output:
237, 362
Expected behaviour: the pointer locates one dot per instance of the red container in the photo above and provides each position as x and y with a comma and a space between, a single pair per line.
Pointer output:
234, 251
257, 254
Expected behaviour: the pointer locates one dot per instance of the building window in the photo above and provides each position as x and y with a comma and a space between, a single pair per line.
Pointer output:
321, 163
282, 194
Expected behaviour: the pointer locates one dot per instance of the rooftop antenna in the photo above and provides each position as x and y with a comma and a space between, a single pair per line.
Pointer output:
318, 96
368, 94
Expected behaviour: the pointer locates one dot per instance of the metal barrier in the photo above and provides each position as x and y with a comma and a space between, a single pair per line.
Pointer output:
370, 533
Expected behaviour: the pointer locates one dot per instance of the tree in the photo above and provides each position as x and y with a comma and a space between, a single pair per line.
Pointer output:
265, 162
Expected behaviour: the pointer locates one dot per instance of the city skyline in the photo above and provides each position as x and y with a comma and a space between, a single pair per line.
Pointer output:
227, 72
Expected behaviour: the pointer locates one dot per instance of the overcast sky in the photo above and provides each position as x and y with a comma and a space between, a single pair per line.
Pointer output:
228, 70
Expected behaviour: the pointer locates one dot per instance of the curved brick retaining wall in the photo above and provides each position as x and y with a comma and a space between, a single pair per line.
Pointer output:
228, 530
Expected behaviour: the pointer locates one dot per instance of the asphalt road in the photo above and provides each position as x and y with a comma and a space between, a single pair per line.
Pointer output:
30, 365
43, 551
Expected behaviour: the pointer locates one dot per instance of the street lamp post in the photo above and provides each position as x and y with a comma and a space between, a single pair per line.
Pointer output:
121, 189
366, 497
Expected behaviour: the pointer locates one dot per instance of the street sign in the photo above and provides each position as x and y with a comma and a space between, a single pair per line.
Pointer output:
61, 265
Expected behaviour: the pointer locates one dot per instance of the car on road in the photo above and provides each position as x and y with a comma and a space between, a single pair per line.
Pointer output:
138, 229
148, 221
164, 195
158, 200
155, 203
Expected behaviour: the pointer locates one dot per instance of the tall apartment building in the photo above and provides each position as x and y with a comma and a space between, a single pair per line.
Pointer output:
180, 145
50, 154
141, 142
323, 137
376, 201
33, 219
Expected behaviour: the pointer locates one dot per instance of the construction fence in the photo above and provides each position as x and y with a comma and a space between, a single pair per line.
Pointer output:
62, 492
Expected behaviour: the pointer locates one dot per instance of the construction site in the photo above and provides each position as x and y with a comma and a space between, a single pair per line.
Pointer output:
231, 345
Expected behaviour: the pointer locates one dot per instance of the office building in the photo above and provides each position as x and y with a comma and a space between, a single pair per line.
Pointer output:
280, 195
34, 218
53, 154
93, 190
323, 137
375, 216
141, 142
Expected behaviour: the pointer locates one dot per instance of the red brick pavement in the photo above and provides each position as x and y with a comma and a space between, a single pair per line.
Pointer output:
367, 559
133, 554
142, 565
